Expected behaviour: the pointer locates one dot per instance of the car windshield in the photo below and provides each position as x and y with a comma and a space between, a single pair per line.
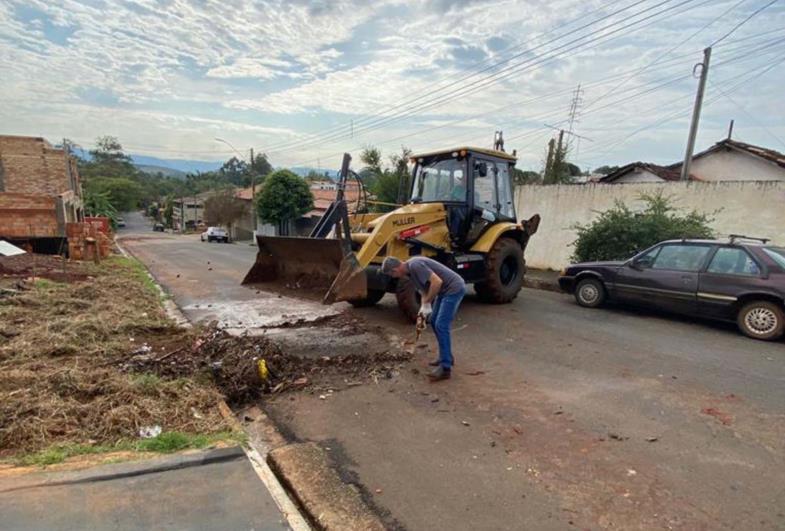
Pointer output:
777, 254
440, 180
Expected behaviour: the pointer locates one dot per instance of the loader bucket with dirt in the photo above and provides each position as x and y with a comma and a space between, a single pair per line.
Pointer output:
316, 265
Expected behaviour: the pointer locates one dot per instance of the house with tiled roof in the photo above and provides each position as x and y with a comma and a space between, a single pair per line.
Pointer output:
727, 160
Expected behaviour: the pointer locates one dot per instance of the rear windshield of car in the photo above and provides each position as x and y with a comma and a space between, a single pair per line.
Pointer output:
777, 254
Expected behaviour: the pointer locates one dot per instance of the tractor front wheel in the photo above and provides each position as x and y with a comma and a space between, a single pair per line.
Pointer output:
374, 296
504, 270
408, 298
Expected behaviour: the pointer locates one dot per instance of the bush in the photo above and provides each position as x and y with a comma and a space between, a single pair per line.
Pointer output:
619, 233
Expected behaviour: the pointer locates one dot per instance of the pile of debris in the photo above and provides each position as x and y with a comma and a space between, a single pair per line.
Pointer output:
245, 368
98, 361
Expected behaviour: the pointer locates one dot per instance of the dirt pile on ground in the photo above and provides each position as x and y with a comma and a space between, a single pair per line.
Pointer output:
43, 266
247, 367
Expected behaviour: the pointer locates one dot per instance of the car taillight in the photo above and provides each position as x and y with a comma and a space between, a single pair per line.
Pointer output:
413, 232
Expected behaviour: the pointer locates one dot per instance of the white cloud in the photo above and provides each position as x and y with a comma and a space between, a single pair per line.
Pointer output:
274, 71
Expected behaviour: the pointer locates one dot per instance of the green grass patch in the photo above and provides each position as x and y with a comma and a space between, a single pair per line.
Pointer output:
45, 284
165, 443
136, 269
146, 383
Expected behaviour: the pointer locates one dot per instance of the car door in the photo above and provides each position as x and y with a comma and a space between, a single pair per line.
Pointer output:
729, 272
666, 277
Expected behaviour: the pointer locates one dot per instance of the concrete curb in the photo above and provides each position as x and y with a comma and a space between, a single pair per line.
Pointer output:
127, 470
541, 283
329, 503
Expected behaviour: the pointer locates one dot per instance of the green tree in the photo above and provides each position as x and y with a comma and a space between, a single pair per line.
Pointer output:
618, 233
169, 212
123, 193
521, 177
98, 204
372, 158
605, 170
285, 197
261, 167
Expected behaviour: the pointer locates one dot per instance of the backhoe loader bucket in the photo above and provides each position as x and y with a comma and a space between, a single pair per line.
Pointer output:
315, 264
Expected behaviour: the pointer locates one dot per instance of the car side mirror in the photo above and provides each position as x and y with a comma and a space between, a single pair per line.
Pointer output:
482, 169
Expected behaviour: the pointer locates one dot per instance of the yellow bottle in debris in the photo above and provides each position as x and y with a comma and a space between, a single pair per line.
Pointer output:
264, 373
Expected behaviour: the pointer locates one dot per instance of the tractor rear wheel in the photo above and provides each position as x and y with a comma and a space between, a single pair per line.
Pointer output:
374, 296
408, 298
504, 270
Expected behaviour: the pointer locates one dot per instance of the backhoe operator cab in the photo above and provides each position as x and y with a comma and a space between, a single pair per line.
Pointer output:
472, 204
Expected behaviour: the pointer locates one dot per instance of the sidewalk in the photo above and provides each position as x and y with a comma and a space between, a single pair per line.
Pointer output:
212, 489
542, 279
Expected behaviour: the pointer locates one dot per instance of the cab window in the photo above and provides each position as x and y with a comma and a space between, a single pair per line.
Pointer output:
484, 188
506, 207
677, 257
729, 261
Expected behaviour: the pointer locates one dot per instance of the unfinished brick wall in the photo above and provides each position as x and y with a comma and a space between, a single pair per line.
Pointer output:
30, 165
28, 216
84, 238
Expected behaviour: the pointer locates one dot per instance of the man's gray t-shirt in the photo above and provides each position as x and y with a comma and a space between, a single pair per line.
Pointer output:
420, 269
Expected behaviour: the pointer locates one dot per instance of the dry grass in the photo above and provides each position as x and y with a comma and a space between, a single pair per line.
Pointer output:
60, 346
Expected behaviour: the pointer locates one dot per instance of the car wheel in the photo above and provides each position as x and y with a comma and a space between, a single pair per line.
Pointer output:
762, 320
590, 293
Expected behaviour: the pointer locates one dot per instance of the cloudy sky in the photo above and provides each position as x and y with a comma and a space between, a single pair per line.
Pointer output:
305, 81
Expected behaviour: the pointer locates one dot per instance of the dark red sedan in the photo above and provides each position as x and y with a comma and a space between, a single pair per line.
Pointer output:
737, 280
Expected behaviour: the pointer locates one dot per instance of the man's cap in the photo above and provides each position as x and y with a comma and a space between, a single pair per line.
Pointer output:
389, 264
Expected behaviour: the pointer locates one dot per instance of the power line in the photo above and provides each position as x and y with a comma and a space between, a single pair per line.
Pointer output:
740, 24
663, 82
409, 101
511, 70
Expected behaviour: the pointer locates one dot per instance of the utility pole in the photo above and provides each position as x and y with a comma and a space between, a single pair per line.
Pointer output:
549, 161
253, 192
696, 113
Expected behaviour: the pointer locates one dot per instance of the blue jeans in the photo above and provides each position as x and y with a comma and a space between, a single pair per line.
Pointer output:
444, 309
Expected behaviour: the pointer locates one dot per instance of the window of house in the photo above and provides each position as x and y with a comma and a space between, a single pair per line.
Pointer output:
729, 261
681, 257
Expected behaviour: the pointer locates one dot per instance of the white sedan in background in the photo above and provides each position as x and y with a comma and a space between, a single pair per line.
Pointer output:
214, 234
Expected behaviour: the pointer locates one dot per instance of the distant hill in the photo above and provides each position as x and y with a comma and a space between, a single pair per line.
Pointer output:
168, 172
182, 166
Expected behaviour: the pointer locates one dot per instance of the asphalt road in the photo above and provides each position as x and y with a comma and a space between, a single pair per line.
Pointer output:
557, 417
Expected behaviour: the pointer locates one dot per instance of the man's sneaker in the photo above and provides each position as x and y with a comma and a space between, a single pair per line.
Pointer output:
434, 363
439, 373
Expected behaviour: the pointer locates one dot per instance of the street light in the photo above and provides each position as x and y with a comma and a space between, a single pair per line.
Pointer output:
253, 178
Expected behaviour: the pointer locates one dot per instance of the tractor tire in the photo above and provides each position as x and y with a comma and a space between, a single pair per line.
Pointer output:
408, 298
504, 270
374, 296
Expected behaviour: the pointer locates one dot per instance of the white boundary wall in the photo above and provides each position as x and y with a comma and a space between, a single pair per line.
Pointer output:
751, 208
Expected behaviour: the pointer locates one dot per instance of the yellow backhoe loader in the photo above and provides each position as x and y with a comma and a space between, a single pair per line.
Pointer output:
460, 211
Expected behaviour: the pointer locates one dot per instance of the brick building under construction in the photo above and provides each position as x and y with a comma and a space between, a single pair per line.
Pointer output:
40, 192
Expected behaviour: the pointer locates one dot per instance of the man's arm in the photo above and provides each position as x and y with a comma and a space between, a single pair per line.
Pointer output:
433, 289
